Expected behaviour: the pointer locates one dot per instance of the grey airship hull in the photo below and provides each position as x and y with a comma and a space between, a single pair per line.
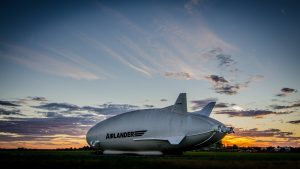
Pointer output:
155, 131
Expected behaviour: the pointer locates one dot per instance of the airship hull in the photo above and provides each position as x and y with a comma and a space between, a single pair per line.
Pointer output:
154, 132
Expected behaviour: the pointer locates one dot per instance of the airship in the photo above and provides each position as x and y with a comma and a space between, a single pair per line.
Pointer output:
159, 131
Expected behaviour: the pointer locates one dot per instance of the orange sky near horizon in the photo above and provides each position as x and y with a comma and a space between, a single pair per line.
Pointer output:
230, 140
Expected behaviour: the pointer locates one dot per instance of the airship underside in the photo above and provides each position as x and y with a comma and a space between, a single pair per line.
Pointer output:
157, 131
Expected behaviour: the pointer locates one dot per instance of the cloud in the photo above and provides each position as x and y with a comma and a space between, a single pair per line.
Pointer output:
61, 120
119, 106
178, 75
216, 79
222, 105
286, 91
74, 126
41, 99
272, 132
223, 86
256, 77
294, 122
171, 49
51, 114
58, 106
104, 109
285, 107
281, 94
163, 100
225, 60
10, 112
250, 113
111, 109
10, 137
42, 61
197, 104
148, 106
80, 61
190, 6
227, 89
7, 103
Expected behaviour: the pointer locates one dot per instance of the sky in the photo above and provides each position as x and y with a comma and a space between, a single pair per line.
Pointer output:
67, 65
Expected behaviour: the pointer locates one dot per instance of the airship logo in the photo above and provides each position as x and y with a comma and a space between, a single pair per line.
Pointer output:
125, 134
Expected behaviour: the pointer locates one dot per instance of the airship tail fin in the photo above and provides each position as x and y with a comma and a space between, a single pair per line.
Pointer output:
206, 111
180, 105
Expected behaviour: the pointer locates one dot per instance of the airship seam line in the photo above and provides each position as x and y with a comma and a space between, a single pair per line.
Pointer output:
207, 139
201, 133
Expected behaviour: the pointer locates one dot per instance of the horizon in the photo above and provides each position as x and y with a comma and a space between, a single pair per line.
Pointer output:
66, 66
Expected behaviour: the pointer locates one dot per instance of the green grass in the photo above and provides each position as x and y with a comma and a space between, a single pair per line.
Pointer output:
87, 159
243, 156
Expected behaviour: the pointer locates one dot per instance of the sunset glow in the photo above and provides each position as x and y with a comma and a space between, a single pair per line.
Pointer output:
66, 66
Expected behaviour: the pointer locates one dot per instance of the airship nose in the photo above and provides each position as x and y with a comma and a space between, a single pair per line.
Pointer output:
89, 137
221, 128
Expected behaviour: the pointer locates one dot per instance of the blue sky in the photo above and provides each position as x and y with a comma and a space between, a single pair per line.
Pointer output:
89, 53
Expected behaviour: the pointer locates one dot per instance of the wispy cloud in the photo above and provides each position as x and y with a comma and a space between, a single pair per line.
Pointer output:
119, 56
294, 122
40, 99
45, 63
79, 61
228, 89
224, 86
51, 114
104, 109
148, 105
9, 112
197, 104
286, 91
114, 109
272, 132
7, 103
178, 75
74, 126
53, 122
251, 113
216, 79
295, 105
223, 105
225, 60
190, 6
58, 106
163, 100
172, 50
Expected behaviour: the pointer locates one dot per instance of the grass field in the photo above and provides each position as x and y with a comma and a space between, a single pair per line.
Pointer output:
87, 159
